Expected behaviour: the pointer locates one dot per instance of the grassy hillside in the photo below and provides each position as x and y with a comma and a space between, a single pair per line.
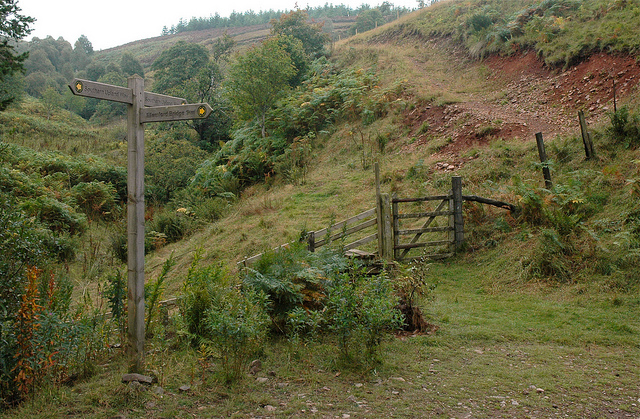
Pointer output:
148, 50
537, 316
562, 32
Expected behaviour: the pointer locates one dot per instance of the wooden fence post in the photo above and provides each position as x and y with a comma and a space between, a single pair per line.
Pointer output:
384, 220
311, 241
458, 221
381, 249
615, 104
396, 225
543, 159
586, 138
387, 237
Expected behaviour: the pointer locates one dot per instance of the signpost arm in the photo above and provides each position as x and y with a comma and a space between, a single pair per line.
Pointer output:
135, 225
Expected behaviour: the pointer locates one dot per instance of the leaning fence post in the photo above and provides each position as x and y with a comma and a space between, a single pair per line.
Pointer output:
615, 105
458, 221
543, 159
586, 138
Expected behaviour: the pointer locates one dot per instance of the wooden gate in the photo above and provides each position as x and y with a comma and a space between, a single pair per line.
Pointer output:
442, 231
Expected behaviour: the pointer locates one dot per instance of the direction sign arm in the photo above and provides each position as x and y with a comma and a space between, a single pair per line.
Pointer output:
96, 90
156, 99
175, 113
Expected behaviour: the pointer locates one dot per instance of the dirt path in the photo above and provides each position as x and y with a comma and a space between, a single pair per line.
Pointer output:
522, 97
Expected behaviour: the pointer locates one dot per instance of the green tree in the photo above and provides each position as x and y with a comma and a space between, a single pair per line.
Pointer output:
177, 65
367, 20
258, 79
12, 87
13, 27
170, 164
51, 58
297, 25
130, 65
51, 100
185, 70
95, 70
58, 51
84, 44
222, 47
36, 83
299, 59
39, 62
82, 52
205, 87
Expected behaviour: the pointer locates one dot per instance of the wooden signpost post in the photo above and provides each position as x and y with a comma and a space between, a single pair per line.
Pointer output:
143, 107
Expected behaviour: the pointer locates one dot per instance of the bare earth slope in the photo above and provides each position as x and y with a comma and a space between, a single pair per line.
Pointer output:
519, 97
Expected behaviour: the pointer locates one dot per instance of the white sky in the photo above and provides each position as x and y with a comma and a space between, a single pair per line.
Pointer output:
112, 23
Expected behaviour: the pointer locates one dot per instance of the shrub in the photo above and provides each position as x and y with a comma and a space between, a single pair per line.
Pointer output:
200, 204
552, 257
153, 290
57, 216
115, 176
215, 181
303, 323
96, 199
236, 325
293, 165
41, 342
293, 278
308, 290
197, 295
15, 182
115, 291
229, 322
625, 127
118, 242
564, 245
169, 166
172, 225
360, 311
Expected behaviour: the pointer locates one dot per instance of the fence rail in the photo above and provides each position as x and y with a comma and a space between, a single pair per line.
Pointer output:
328, 238
344, 229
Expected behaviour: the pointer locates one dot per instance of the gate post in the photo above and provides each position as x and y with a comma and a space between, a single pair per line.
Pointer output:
385, 229
311, 241
455, 220
384, 219
396, 226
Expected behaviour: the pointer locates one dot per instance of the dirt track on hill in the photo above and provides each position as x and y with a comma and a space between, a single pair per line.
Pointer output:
527, 98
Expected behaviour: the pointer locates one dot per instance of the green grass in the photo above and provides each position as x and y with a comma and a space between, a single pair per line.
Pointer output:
540, 315
28, 125
491, 354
